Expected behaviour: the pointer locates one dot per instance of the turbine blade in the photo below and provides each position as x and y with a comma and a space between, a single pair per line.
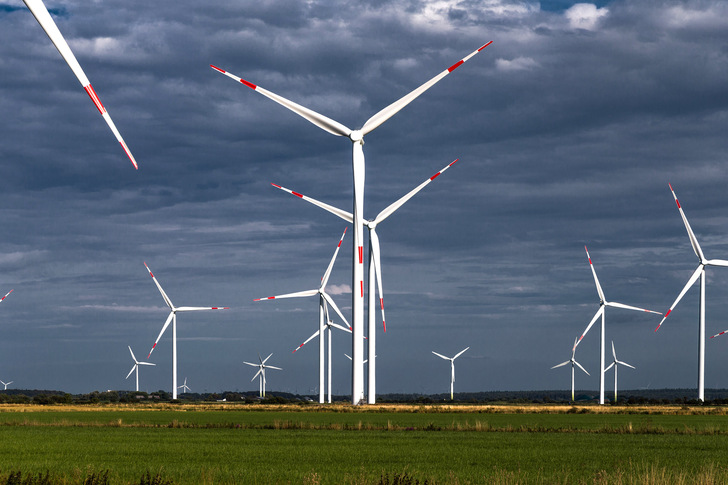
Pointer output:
580, 367
594, 319
166, 324
691, 234
164, 295
718, 334
256, 374
394, 108
6, 295
717, 262
561, 364
347, 356
399, 203
596, 280
325, 278
331, 302
624, 363
254, 365
614, 353
200, 308
440, 355
609, 367
460, 353
272, 367
573, 349
340, 327
39, 11
132, 355
374, 238
347, 216
132, 370
691, 282
323, 122
298, 294
145, 363
627, 307
307, 341
266, 359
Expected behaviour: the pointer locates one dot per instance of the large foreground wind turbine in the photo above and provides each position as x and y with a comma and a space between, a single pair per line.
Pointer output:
261, 373
573, 363
698, 273
40, 12
136, 367
452, 367
616, 363
357, 140
603, 304
324, 298
173, 319
375, 267
328, 326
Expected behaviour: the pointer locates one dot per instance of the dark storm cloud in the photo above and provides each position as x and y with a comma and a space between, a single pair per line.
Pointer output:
568, 129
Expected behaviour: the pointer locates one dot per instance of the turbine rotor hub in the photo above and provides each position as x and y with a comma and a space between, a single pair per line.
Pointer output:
356, 136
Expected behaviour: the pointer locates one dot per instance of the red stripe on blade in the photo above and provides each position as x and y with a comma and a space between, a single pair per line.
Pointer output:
297, 194
250, 85
436, 175
455, 66
361, 284
217, 69
95, 98
486, 45
361, 255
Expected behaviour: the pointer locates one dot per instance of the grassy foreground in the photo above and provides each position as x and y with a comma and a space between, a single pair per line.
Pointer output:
381, 444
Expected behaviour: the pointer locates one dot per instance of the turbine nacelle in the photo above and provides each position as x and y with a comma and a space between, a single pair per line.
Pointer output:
356, 136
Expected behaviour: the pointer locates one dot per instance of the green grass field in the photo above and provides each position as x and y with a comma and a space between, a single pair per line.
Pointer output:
248, 444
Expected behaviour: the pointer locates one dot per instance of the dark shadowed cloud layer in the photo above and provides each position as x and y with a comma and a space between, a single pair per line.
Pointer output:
568, 129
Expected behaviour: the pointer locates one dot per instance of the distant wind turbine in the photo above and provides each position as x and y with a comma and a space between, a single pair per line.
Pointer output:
261, 373
603, 304
615, 363
184, 387
40, 12
375, 267
324, 298
573, 363
358, 168
6, 384
452, 367
173, 319
698, 273
136, 367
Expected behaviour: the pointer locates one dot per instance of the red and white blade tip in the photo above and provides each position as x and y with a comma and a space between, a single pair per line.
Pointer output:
267, 298
718, 334
150, 352
440, 172
6, 295
462, 61
243, 81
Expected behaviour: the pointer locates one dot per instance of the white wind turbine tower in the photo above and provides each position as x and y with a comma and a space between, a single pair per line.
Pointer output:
136, 367
324, 298
6, 384
375, 267
328, 326
39, 11
173, 319
603, 304
698, 273
573, 363
452, 367
615, 363
184, 387
261, 373
357, 140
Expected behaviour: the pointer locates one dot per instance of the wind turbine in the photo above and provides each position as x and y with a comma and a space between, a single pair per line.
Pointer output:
329, 324
573, 362
603, 304
40, 12
173, 319
6, 384
698, 273
184, 387
452, 367
374, 265
614, 364
324, 298
136, 367
261, 372
358, 167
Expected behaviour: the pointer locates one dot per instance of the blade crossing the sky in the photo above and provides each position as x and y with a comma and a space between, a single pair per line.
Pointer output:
41, 14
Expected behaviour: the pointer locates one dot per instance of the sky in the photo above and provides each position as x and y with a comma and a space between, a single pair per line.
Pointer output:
568, 129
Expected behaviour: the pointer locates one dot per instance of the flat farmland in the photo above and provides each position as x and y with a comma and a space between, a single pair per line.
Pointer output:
229, 443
